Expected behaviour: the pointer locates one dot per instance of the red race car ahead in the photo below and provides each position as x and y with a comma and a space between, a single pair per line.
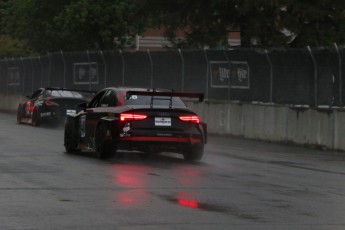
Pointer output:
138, 119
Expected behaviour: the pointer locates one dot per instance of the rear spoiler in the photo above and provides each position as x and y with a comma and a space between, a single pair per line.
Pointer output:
153, 93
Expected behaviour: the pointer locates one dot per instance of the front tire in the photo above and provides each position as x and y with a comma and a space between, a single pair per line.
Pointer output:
104, 146
71, 136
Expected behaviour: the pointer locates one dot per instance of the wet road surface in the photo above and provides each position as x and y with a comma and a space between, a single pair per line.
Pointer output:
239, 184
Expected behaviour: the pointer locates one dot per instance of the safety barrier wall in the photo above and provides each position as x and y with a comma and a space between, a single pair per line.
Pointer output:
320, 127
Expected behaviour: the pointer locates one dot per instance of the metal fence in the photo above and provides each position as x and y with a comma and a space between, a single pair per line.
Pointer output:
296, 76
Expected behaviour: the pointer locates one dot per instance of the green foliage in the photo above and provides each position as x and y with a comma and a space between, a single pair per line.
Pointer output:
263, 23
89, 24
319, 23
32, 21
204, 23
40, 26
12, 47
49, 26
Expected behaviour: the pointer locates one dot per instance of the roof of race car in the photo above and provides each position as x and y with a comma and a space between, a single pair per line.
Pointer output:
124, 88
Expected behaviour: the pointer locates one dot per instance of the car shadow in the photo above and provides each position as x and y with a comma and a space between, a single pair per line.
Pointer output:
134, 157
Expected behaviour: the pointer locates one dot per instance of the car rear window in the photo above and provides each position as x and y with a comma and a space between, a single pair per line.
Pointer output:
70, 94
157, 101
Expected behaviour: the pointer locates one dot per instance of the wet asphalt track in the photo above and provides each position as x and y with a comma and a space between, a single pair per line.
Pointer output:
239, 184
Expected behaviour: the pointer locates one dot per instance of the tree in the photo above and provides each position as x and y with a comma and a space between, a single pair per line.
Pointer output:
263, 23
48, 26
32, 21
318, 23
259, 23
12, 47
102, 24
42, 26
203, 23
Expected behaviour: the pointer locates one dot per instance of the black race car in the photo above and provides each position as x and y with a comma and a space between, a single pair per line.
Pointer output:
51, 103
146, 120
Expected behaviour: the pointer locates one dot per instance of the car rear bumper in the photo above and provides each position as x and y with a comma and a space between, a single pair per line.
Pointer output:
158, 143
158, 139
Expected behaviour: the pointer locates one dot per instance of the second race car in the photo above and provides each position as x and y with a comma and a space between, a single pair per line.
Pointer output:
139, 119
51, 104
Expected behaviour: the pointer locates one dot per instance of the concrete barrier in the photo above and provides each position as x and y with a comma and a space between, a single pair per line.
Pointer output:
10, 102
323, 127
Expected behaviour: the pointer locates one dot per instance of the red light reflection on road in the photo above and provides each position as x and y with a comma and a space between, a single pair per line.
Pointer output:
187, 200
133, 178
131, 197
130, 176
188, 177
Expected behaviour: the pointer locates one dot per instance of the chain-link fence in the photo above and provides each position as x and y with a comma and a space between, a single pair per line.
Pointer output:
296, 76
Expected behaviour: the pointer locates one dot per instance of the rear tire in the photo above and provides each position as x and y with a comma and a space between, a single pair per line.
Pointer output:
195, 153
104, 148
71, 136
35, 120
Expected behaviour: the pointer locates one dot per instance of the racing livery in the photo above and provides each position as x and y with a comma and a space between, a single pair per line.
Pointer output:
146, 120
51, 104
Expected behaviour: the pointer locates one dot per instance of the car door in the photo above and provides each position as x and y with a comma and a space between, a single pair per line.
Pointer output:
89, 118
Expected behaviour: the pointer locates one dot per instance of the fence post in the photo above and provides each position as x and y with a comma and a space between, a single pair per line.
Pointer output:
229, 82
123, 68
182, 72
151, 71
32, 74
105, 69
207, 72
89, 59
64, 70
39, 59
315, 75
23, 80
340, 76
271, 75
6, 76
49, 68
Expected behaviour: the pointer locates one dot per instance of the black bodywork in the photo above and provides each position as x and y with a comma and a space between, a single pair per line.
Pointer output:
51, 104
145, 120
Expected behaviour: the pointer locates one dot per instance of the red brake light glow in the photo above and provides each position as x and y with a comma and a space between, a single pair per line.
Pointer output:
131, 117
191, 118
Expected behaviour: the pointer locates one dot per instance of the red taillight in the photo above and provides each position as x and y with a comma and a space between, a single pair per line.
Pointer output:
131, 117
192, 118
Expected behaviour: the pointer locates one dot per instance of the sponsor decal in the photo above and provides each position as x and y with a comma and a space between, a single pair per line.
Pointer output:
47, 114
71, 112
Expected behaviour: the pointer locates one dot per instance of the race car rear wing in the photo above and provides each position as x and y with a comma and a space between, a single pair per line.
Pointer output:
171, 94
200, 96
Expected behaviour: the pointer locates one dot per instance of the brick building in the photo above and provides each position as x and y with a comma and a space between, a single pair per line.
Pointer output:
153, 39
